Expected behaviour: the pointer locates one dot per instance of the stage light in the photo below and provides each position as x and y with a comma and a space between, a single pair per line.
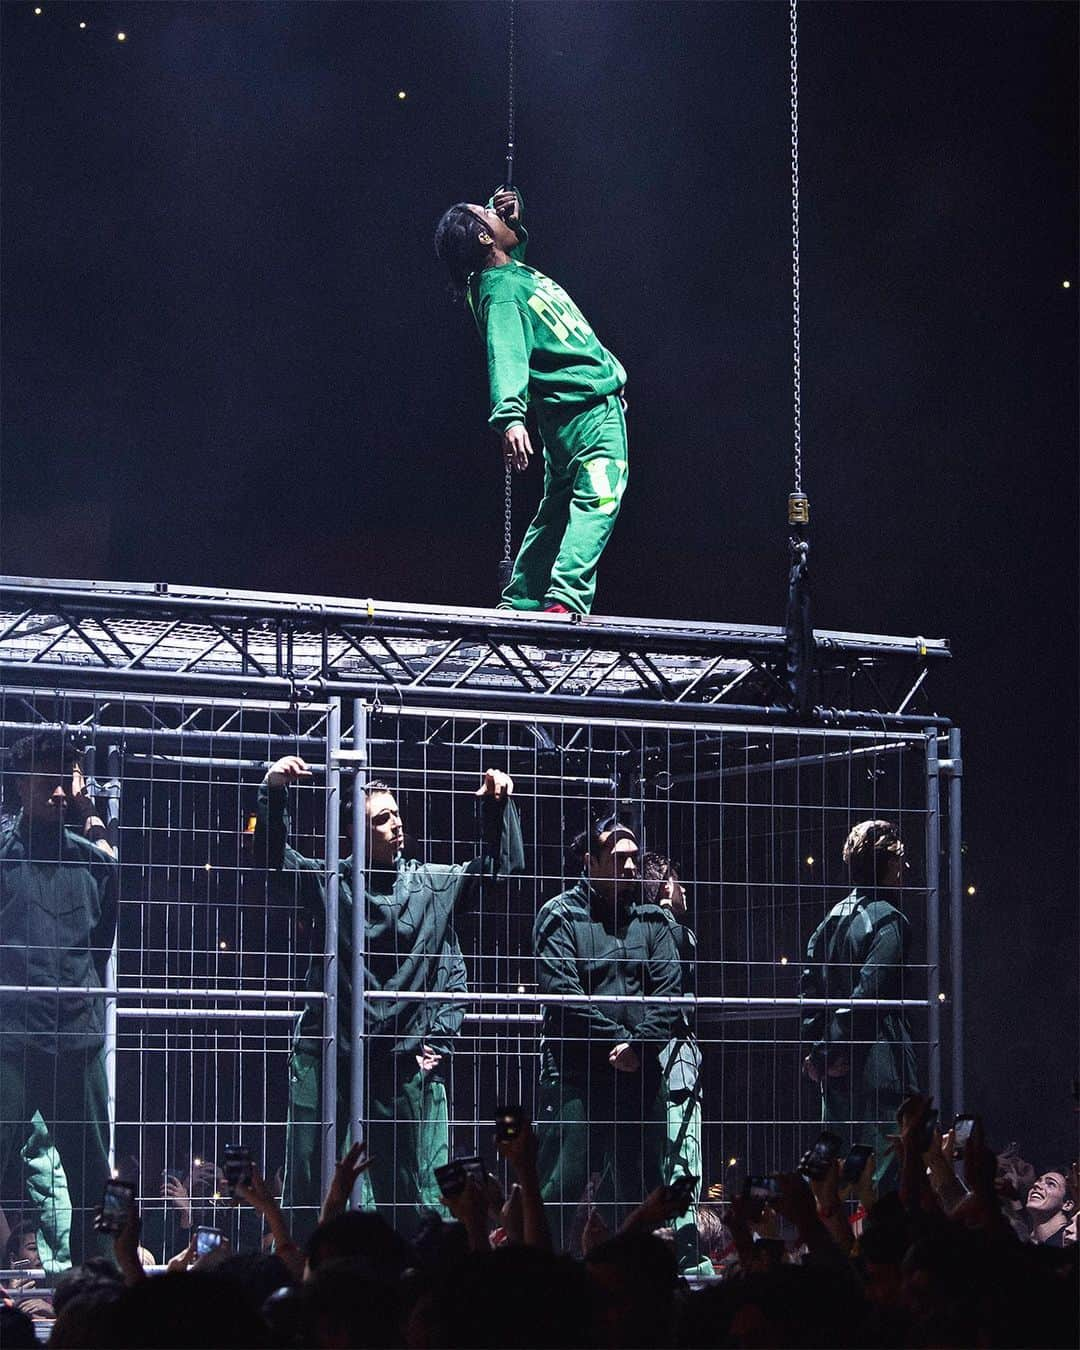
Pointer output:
810, 861
783, 960
401, 94
196, 1162
1066, 284
121, 37
208, 867
223, 945
732, 1161
37, 9
82, 23
971, 890
941, 998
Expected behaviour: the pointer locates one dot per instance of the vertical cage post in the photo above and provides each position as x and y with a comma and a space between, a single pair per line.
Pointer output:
330, 945
956, 916
357, 1106
108, 792
933, 915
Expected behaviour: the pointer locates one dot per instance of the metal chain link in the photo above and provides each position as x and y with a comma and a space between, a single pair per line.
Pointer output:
508, 505
510, 109
508, 499
796, 352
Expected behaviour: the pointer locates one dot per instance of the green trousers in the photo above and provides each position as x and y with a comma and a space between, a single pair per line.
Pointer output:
585, 473
862, 1105
407, 1133
605, 1133
69, 1093
682, 1157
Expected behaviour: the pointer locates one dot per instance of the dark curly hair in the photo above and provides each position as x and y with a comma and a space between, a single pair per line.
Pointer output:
457, 244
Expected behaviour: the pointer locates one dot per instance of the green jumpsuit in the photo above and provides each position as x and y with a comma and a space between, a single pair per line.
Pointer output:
858, 952
410, 946
58, 897
595, 1122
541, 352
680, 1064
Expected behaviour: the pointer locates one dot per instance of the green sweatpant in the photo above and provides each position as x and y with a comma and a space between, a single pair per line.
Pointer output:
682, 1157
407, 1133
68, 1091
862, 1105
606, 1131
585, 474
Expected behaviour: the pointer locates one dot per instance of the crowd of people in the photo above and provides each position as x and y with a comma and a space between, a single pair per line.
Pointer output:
975, 1252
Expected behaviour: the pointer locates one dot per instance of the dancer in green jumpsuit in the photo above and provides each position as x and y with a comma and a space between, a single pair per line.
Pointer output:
680, 1065
542, 353
601, 1099
862, 1058
58, 899
410, 946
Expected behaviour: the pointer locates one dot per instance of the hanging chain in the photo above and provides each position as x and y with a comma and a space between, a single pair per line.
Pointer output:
510, 110
508, 499
508, 510
796, 354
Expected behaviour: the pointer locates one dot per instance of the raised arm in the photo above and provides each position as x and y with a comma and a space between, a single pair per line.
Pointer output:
272, 816
502, 849
510, 204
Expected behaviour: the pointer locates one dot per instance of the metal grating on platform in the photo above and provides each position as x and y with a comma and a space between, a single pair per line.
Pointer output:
193, 638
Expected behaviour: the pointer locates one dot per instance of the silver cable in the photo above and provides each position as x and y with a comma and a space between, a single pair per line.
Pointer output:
796, 353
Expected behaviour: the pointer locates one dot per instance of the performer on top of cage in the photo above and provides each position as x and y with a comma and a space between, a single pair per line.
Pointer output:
58, 897
411, 946
601, 1104
862, 1058
680, 1065
541, 351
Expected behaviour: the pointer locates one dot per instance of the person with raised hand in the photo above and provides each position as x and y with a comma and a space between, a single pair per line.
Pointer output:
411, 947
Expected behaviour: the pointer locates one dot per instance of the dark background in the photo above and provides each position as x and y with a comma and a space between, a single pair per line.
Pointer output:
228, 358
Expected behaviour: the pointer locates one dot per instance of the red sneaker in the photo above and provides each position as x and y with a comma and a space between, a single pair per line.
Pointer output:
556, 608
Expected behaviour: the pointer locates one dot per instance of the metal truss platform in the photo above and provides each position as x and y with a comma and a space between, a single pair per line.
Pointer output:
132, 636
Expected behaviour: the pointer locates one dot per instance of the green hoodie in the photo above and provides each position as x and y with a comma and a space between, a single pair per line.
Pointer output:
409, 933
539, 347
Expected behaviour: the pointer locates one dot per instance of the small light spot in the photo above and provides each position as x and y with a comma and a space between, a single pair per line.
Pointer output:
223, 945
216, 1195
732, 1161
115, 1171
37, 9
971, 890
196, 1162
941, 998
783, 960
82, 23
208, 867
1065, 284
810, 861
121, 37
402, 95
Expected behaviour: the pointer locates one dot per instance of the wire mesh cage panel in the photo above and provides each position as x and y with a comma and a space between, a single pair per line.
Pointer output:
618, 947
